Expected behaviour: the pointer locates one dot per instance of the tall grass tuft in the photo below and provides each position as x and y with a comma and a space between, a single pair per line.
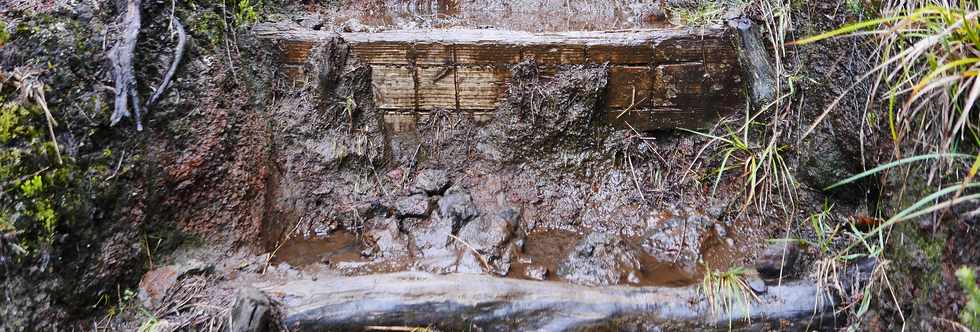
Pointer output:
927, 73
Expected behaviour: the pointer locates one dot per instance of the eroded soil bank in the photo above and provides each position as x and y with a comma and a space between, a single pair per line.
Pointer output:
254, 198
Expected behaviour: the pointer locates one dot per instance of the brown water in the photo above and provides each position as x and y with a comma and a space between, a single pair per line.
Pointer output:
522, 15
338, 247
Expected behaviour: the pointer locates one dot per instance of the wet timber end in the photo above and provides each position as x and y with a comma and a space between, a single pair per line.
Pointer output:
658, 78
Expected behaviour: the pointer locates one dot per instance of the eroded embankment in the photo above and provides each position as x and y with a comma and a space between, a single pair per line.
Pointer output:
547, 189
456, 195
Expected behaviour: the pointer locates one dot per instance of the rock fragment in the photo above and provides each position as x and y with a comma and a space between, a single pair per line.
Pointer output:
771, 262
600, 259
415, 206
431, 182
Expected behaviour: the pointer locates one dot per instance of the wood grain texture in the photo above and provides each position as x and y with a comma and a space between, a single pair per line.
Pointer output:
666, 77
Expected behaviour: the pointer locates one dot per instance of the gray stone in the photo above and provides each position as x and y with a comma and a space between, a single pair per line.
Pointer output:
431, 182
600, 259
771, 260
675, 239
389, 242
252, 311
457, 206
490, 234
755, 283
417, 206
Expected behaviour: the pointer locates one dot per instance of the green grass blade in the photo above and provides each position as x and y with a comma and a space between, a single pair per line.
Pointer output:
895, 164
847, 29
926, 200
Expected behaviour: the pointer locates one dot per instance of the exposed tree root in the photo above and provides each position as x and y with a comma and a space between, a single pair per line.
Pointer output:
122, 65
178, 55
122, 61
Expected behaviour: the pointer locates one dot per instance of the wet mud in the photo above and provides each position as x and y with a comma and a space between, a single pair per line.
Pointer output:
545, 189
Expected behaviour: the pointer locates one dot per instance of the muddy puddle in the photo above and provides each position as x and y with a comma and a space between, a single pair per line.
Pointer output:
332, 250
525, 15
540, 258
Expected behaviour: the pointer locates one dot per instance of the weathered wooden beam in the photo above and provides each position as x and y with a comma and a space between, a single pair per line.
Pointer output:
670, 77
482, 302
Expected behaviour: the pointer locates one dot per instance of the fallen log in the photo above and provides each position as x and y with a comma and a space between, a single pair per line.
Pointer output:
475, 302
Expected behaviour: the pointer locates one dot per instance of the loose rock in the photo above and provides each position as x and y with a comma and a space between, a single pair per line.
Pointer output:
457, 206
676, 239
599, 259
417, 206
771, 260
431, 182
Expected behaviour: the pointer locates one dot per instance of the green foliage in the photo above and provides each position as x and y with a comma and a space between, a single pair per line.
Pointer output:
970, 316
13, 121
4, 35
928, 63
39, 193
727, 292
247, 13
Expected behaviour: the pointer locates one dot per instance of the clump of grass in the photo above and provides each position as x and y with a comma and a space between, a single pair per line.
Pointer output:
704, 13
757, 160
970, 316
727, 293
928, 67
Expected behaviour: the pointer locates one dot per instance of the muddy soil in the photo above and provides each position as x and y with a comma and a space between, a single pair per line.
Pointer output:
254, 176
543, 190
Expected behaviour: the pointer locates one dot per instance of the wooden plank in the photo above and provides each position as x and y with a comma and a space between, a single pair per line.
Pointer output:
436, 88
621, 54
482, 87
474, 54
433, 54
394, 87
630, 86
666, 77
555, 54
383, 53
677, 84
296, 52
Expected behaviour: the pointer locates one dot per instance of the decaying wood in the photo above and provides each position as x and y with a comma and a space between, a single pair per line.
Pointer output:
663, 77
482, 302
121, 56
178, 55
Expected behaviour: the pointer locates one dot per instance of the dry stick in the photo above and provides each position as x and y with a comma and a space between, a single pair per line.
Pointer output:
118, 165
477, 253
279, 245
178, 54
121, 56
39, 98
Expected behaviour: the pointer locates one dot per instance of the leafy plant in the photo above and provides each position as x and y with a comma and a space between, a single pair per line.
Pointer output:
761, 166
246, 12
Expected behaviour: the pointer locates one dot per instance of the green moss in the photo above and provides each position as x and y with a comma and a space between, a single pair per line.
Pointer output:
970, 316
4, 35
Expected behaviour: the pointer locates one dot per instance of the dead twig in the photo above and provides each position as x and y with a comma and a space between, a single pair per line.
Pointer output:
477, 253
